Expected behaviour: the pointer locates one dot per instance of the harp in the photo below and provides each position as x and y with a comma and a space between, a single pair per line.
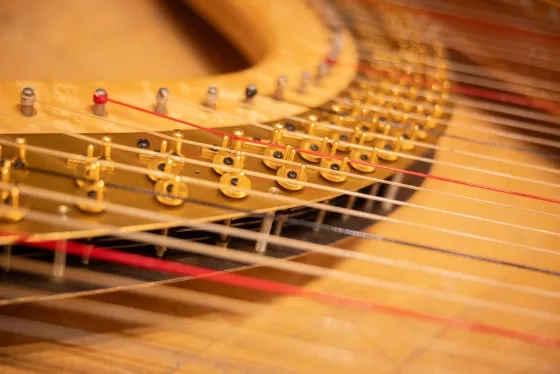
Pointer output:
366, 186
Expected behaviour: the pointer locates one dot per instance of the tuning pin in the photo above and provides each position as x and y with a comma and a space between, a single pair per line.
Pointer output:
211, 100
394, 148
322, 71
366, 160
27, 101
430, 122
170, 191
100, 98
162, 97
235, 179
408, 140
312, 145
336, 165
250, 94
290, 172
281, 84
14, 214
305, 81
276, 153
96, 195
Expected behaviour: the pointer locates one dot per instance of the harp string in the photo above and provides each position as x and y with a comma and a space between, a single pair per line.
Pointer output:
280, 288
294, 201
324, 125
230, 231
188, 297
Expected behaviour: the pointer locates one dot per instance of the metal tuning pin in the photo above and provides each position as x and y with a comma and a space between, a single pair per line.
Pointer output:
162, 97
250, 94
235, 179
170, 191
281, 84
27, 101
304, 83
276, 154
288, 171
100, 98
322, 72
96, 195
394, 148
211, 100
366, 160
335, 165
13, 212
410, 138
312, 145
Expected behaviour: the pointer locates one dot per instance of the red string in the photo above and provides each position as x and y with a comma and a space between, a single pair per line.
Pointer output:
272, 287
407, 172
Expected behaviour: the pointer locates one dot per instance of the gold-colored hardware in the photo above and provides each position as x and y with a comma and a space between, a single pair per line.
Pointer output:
361, 155
237, 139
236, 179
106, 155
395, 147
313, 145
224, 157
161, 249
96, 195
177, 143
171, 191
157, 163
408, 138
336, 165
277, 153
290, 172
6, 178
13, 213
22, 148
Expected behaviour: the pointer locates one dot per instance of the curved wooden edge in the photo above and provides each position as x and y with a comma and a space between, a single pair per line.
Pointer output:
297, 41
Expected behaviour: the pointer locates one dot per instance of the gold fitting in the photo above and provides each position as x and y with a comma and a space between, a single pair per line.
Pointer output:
295, 174
338, 137
410, 137
235, 179
96, 195
276, 154
362, 156
237, 139
171, 192
430, 122
106, 155
289, 172
394, 147
14, 213
225, 157
22, 149
6, 178
311, 145
335, 165
177, 143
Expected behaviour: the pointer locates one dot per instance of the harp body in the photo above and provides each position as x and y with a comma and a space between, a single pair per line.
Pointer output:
331, 337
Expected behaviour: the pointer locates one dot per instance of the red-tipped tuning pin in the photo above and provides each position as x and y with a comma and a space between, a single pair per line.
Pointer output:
100, 98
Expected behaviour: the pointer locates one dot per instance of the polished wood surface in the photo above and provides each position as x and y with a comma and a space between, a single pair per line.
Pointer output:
294, 334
